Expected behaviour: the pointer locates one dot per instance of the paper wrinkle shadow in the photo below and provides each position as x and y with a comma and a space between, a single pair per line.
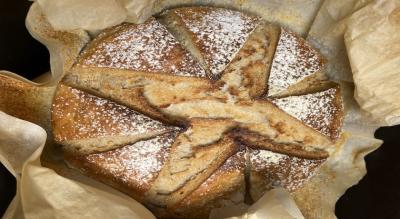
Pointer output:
326, 31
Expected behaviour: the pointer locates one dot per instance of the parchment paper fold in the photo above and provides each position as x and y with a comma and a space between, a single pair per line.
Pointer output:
373, 44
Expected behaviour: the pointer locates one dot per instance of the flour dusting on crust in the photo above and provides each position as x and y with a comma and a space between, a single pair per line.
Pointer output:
317, 110
136, 164
90, 116
293, 61
283, 170
141, 47
219, 33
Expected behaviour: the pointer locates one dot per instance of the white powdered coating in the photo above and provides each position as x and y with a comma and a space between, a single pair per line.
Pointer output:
262, 158
90, 116
293, 61
317, 110
299, 172
283, 170
136, 164
220, 33
143, 47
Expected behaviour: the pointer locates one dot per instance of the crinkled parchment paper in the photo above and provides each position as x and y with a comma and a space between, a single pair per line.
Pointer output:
361, 40
373, 44
66, 26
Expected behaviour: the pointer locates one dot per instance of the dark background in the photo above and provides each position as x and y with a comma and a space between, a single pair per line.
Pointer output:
376, 196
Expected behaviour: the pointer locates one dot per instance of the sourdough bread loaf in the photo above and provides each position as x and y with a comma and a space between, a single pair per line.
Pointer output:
197, 108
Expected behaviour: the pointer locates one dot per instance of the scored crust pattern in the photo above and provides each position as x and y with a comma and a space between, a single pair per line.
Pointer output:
171, 112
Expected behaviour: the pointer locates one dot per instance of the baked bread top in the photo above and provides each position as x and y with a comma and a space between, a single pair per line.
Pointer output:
213, 35
169, 110
318, 109
295, 60
145, 47
91, 124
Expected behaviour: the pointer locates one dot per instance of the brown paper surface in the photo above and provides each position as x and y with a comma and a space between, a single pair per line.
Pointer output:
44, 193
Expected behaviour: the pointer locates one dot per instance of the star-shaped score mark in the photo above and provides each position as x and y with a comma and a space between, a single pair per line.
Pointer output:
215, 124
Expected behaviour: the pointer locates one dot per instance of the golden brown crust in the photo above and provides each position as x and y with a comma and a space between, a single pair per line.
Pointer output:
294, 60
250, 67
85, 123
226, 186
322, 110
282, 128
185, 171
140, 47
131, 168
269, 169
127, 87
216, 33
258, 141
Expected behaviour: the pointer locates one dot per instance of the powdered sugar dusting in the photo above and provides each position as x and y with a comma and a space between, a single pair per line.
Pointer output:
283, 170
137, 164
317, 110
264, 157
219, 33
300, 171
90, 116
141, 47
293, 61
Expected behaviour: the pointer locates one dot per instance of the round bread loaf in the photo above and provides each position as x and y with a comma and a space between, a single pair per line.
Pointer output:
197, 108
